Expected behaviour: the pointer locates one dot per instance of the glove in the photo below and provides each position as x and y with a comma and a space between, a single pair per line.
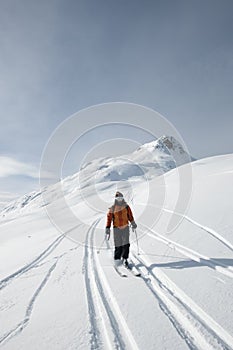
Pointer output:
107, 232
134, 225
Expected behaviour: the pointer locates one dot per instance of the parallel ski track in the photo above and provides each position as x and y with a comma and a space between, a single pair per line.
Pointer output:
196, 327
24, 323
190, 253
5, 281
99, 296
207, 229
96, 340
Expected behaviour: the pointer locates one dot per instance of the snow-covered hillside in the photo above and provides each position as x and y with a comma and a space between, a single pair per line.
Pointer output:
149, 160
60, 291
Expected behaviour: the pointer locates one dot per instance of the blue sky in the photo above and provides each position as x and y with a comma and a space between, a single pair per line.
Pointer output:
59, 56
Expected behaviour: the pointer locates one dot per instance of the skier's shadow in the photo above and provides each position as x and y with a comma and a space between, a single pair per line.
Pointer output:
184, 264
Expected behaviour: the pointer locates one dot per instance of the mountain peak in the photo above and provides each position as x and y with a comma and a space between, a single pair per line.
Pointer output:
165, 143
171, 143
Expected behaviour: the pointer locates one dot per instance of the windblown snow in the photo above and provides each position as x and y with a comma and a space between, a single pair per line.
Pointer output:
59, 289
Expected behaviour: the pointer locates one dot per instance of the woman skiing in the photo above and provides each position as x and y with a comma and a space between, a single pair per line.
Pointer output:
120, 215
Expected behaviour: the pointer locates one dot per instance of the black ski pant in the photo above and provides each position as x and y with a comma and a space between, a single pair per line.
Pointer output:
121, 241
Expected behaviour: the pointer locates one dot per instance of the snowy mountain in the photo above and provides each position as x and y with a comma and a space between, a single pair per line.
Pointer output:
149, 160
5, 198
60, 290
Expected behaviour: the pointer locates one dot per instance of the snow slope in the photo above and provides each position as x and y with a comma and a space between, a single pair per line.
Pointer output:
60, 291
149, 160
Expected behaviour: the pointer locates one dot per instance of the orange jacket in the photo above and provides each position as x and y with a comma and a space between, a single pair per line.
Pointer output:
120, 216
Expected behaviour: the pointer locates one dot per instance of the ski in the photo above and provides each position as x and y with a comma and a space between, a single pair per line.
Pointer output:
120, 271
133, 269
130, 267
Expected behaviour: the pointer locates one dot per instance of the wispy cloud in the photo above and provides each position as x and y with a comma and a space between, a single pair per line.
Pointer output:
12, 167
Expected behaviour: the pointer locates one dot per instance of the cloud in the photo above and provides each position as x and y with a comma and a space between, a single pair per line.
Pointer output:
7, 196
12, 167
17, 178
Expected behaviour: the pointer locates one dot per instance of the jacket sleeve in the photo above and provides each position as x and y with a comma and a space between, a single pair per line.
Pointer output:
109, 218
130, 214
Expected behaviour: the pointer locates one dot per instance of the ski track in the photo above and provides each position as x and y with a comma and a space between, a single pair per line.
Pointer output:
197, 328
192, 254
5, 281
205, 228
172, 303
115, 309
100, 290
23, 324
95, 341
56, 257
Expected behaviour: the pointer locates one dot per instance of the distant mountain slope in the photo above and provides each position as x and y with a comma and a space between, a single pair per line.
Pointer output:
148, 161
60, 291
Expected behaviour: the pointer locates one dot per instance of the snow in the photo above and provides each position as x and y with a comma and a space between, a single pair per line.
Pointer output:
59, 289
6, 197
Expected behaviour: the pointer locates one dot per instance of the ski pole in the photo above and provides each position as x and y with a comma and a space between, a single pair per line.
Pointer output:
98, 251
137, 240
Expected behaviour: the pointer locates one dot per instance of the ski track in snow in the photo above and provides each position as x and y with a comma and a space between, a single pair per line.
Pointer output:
23, 324
192, 254
111, 311
197, 328
203, 227
35, 264
191, 322
95, 341
5, 281
98, 289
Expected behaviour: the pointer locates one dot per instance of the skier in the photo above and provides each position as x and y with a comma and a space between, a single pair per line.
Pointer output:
120, 214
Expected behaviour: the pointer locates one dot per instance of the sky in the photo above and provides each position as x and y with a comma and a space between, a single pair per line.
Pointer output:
60, 56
